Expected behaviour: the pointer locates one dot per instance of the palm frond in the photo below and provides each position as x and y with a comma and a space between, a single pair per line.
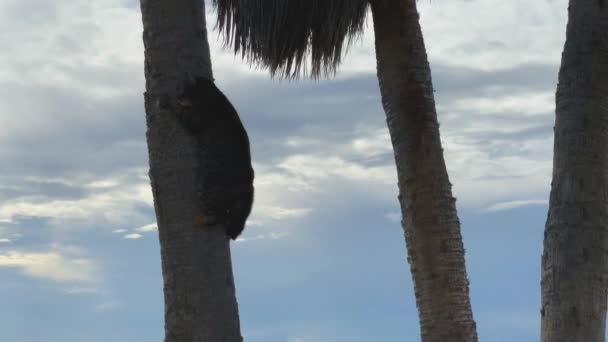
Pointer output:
282, 35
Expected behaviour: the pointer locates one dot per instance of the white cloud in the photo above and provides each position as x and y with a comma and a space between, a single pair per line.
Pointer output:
269, 236
500, 37
522, 104
322, 167
263, 213
5, 240
108, 306
54, 53
289, 188
279, 213
82, 290
511, 166
267, 177
110, 205
147, 228
491, 171
110, 63
56, 265
515, 204
299, 142
103, 184
133, 236
393, 216
373, 143
73, 49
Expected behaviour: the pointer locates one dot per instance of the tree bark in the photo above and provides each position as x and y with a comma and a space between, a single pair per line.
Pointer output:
430, 221
200, 301
575, 260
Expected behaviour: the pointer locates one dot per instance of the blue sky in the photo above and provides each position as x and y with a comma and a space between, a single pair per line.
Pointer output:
323, 257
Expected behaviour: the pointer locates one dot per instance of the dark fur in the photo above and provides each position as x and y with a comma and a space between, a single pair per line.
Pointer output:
225, 185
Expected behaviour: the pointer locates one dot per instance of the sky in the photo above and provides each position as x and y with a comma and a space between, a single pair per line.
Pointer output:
323, 256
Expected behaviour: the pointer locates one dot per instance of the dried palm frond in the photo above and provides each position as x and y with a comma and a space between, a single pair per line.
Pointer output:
282, 34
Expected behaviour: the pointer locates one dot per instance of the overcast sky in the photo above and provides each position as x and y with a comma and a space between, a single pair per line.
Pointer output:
323, 256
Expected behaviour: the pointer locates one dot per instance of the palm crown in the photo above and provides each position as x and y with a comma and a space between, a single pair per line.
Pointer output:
284, 35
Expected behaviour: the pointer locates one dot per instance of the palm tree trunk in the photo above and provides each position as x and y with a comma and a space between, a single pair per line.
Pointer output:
575, 260
430, 221
200, 302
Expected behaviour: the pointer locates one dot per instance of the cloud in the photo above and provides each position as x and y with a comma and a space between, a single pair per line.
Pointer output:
487, 43
269, 236
133, 236
58, 265
528, 103
393, 216
515, 204
112, 204
509, 167
108, 306
292, 187
82, 290
58, 57
370, 143
322, 167
279, 213
147, 228
310, 139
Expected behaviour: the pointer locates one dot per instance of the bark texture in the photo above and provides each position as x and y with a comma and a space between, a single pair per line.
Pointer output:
575, 260
431, 225
200, 302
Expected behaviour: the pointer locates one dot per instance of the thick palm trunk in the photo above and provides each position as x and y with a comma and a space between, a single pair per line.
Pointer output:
575, 259
432, 229
200, 303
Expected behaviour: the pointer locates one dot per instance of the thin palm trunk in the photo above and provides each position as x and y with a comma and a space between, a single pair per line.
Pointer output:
278, 34
430, 221
575, 260
200, 302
